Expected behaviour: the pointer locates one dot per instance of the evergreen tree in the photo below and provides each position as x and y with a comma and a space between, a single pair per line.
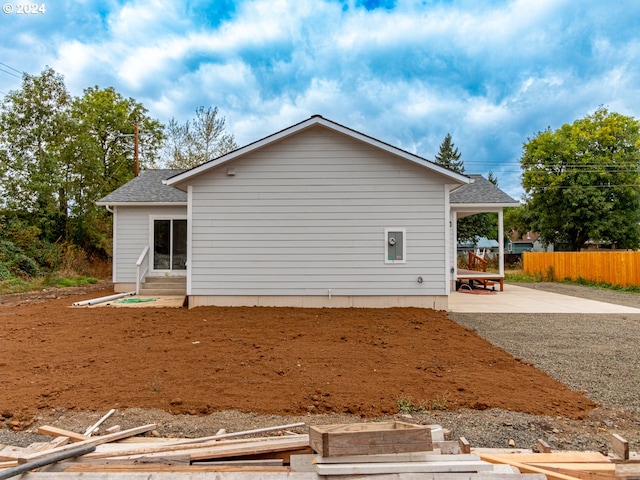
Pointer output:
449, 156
474, 226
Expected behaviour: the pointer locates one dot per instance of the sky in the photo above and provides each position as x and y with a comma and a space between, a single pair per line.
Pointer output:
490, 73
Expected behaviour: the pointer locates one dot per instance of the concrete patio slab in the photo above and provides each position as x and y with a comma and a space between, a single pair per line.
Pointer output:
515, 299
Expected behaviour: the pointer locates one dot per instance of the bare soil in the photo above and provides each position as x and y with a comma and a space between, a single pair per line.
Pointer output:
276, 361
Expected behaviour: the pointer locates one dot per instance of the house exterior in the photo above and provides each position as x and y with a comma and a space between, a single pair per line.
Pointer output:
316, 215
527, 242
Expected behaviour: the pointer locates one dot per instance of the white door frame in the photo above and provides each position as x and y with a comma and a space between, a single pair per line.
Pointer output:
164, 272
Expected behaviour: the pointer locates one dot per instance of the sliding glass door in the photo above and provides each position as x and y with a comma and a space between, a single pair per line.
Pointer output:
169, 245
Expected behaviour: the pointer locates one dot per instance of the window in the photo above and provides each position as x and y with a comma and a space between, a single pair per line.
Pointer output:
395, 245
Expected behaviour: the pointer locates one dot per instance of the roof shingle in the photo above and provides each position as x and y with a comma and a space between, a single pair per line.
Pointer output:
481, 191
148, 187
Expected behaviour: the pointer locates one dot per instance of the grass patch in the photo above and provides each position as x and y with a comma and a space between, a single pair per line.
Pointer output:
406, 405
73, 281
519, 276
603, 285
20, 285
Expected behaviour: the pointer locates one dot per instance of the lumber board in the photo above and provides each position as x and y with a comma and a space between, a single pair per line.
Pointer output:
557, 457
245, 450
369, 438
46, 459
266, 476
525, 468
543, 447
220, 436
170, 476
91, 430
262, 462
447, 447
89, 441
223, 448
61, 432
168, 460
584, 475
609, 467
465, 446
88, 467
9, 452
628, 471
396, 457
56, 442
402, 467
500, 451
620, 447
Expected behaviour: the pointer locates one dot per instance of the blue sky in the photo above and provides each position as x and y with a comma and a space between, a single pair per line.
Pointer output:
490, 73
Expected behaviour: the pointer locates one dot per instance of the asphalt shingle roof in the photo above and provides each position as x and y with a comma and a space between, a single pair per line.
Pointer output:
480, 191
147, 188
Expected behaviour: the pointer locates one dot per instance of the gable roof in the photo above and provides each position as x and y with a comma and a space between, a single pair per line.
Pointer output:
148, 188
481, 192
317, 120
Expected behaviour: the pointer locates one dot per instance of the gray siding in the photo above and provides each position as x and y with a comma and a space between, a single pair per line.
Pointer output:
307, 215
132, 235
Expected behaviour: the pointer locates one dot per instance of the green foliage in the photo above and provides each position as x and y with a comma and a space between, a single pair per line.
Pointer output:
406, 405
635, 289
449, 156
33, 132
197, 141
474, 226
72, 281
15, 263
582, 182
58, 155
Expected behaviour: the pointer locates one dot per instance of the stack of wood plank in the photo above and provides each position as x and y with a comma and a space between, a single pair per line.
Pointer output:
388, 451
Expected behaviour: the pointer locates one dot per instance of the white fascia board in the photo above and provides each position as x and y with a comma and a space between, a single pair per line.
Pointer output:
481, 207
141, 204
317, 120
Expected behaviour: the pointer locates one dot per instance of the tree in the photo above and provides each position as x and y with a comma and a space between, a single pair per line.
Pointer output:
474, 226
582, 181
103, 150
59, 154
449, 156
197, 141
34, 127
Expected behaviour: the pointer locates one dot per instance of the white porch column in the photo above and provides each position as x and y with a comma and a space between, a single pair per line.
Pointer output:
454, 242
501, 241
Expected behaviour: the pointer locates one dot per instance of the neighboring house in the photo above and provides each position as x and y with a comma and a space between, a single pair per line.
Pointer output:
314, 215
528, 242
482, 244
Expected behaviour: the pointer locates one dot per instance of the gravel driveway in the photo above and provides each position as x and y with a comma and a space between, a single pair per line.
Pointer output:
596, 353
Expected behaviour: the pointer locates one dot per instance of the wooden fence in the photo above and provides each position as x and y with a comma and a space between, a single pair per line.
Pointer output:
616, 268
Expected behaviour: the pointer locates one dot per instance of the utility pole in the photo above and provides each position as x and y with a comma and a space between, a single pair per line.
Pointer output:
136, 165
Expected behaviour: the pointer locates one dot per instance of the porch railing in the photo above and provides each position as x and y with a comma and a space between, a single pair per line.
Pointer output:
477, 263
142, 267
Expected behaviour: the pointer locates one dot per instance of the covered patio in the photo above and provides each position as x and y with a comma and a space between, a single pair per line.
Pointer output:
480, 196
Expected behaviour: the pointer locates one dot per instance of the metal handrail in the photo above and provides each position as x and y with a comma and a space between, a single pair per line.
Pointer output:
141, 258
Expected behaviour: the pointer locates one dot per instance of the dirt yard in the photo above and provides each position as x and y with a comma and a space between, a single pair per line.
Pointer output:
280, 361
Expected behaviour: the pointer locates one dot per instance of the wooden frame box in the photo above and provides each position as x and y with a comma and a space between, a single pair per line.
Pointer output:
370, 438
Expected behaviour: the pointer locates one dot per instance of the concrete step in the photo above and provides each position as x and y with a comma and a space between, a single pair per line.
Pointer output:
164, 286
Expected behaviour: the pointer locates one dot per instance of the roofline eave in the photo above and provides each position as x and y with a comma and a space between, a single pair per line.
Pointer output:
142, 204
318, 120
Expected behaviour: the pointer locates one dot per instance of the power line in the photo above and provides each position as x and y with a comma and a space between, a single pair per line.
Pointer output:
9, 73
11, 68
